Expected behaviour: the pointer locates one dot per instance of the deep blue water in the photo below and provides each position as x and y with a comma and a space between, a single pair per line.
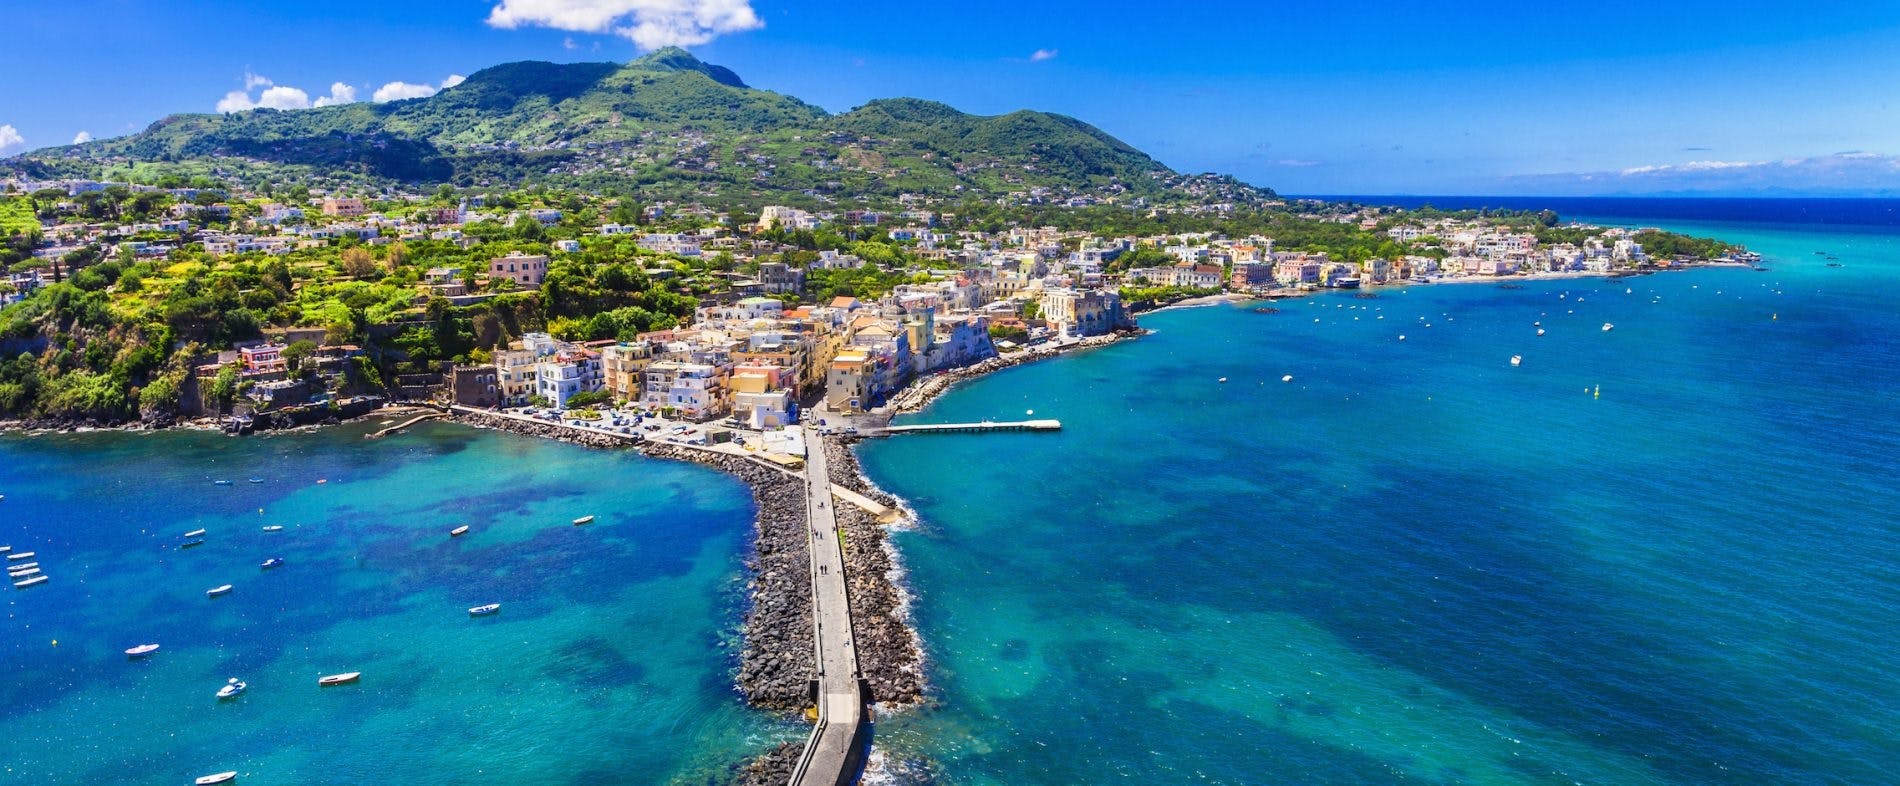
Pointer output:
1834, 212
1417, 563
610, 660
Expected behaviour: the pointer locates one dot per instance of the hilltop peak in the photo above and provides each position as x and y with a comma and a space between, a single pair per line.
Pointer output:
673, 58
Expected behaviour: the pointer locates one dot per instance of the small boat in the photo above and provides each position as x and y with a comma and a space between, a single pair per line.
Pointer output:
271, 563
483, 611
339, 679
220, 483
192, 543
141, 650
273, 528
1287, 378
20, 556
222, 777
20, 574
1517, 360
1607, 327
216, 591
1222, 380
231, 689
22, 567
1540, 331
1401, 336
459, 531
583, 520
254, 480
5, 549
196, 533
29, 581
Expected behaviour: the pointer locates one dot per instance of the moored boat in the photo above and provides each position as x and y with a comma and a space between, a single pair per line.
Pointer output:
29, 581
1607, 327
583, 520
231, 689
196, 533
222, 777
339, 679
271, 563
459, 531
22, 567
24, 555
192, 544
216, 591
482, 611
141, 650
220, 483
273, 528
1517, 360
20, 574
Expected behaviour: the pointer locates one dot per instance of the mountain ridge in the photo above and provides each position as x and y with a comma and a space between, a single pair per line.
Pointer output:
665, 122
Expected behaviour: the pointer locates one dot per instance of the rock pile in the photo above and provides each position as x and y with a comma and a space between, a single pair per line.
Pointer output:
888, 651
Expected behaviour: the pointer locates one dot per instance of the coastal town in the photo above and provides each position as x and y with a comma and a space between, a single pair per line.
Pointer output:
765, 315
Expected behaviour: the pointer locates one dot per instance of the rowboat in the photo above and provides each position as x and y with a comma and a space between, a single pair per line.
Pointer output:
459, 531
583, 520
339, 679
222, 777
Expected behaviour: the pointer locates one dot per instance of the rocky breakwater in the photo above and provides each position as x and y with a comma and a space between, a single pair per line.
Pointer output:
889, 653
532, 428
776, 667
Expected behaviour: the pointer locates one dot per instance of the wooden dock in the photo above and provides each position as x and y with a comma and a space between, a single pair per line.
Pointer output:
967, 428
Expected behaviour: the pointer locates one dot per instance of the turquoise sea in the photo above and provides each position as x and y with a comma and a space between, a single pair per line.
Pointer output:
611, 660
1663, 554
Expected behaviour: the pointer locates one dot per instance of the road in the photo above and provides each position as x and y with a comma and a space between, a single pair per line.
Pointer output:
831, 756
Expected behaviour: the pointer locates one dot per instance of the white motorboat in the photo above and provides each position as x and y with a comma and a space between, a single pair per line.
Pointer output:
231, 689
216, 591
1607, 327
339, 679
1517, 360
20, 574
24, 555
459, 531
583, 520
273, 528
196, 533
1540, 331
22, 567
483, 611
141, 650
222, 777
29, 581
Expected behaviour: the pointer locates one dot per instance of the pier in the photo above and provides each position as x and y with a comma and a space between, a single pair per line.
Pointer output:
835, 753
405, 424
966, 428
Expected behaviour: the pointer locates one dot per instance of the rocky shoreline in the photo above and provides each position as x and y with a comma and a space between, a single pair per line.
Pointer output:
890, 653
926, 390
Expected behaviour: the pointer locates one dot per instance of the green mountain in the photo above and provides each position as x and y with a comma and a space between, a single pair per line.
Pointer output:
666, 124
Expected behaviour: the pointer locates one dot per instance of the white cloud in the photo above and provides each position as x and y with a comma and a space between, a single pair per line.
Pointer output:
82, 137
1849, 173
10, 138
279, 97
649, 24
568, 44
1298, 162
339, 94
1043, 54
397, 91
254, 81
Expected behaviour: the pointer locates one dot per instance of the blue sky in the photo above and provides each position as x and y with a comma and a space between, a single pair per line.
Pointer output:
1341, 97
